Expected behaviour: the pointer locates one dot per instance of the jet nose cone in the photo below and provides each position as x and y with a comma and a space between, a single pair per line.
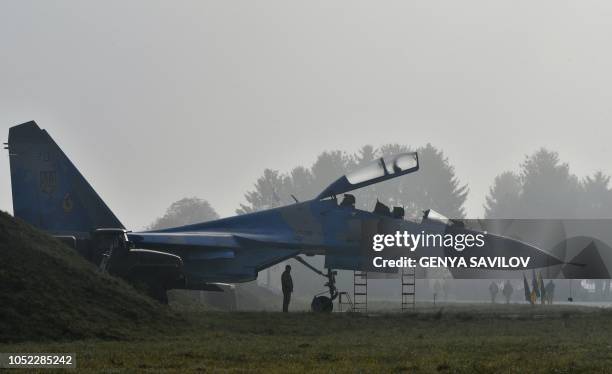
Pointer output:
508, 247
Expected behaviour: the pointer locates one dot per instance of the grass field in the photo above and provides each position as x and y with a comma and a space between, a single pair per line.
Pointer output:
47, 291
470, 339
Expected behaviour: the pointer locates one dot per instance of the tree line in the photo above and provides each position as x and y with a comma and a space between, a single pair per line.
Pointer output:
542, 187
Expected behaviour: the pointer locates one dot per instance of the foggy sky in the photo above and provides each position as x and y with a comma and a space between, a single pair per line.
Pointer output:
154, 101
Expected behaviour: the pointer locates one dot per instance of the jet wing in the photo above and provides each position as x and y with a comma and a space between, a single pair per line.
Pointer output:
214, 240
220, 256
383, 169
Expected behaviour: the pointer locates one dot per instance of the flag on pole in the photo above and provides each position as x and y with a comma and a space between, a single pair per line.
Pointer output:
535, 291
527, 291
542, 288
534, 284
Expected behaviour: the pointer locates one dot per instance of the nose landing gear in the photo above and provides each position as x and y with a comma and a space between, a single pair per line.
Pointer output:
322, 303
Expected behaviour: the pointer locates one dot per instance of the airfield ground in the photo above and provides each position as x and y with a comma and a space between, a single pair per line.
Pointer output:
52, 300
466, 338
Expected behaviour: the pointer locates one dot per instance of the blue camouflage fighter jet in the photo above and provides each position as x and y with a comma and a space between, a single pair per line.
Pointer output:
51, 194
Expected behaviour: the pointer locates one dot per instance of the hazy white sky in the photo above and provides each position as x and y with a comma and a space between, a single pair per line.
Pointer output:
158, 100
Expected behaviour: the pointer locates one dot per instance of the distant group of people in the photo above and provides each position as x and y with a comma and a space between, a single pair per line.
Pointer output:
507, 291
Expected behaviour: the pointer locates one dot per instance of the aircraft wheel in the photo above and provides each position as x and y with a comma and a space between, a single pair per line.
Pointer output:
322, 304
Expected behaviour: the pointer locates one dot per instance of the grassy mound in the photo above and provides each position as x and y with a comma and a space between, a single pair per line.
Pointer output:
48, 291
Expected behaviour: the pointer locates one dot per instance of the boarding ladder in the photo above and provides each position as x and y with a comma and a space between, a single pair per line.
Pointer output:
344, 300
408, 275
360, 291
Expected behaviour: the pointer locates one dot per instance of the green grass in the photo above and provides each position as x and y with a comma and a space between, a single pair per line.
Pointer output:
468, 339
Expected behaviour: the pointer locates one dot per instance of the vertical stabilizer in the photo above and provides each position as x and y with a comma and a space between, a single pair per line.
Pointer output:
48, 190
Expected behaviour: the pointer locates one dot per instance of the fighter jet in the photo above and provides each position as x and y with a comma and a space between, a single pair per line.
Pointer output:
51, 194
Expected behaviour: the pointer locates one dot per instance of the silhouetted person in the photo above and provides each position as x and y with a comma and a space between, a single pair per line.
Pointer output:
550, 291
398, 212
493, 289
287, 284
348, 201
437, 288
507, 291
382, 209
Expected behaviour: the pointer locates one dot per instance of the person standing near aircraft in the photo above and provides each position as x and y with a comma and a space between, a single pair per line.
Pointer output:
550, 291
507, 291
493, 289
287, 285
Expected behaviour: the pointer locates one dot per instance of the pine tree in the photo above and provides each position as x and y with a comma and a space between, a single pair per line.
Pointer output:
597, 196
184, 212
549, 189
504, 197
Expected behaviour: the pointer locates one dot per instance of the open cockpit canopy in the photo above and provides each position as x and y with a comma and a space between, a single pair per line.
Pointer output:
383, 169
433, 216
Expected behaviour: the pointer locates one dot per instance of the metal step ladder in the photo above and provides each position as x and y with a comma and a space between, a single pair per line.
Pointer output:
360, 291
344, 299
408, 277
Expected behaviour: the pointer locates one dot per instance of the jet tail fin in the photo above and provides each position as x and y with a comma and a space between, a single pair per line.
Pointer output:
48, 190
